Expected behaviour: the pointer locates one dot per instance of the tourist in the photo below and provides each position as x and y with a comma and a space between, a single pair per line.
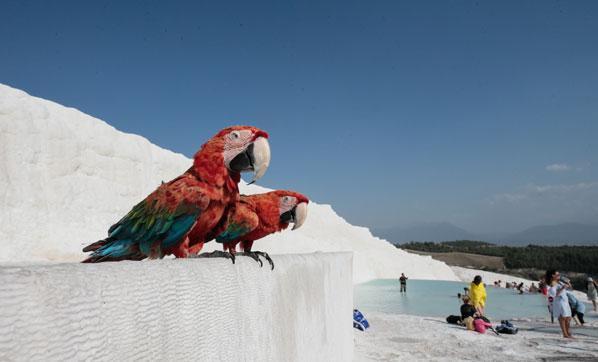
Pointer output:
477, 294
467, 310
468, 313
592, 292
578, 309
533, 288
403, 280
560, 303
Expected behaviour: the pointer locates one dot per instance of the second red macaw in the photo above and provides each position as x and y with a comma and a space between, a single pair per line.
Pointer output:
256, 216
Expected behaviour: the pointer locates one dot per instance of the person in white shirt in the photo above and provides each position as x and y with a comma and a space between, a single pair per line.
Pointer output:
560, 303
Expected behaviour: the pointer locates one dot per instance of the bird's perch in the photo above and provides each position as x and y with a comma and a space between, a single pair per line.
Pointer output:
194, 309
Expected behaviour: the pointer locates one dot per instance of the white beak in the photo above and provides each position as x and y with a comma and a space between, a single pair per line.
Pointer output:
261, 158
300, 215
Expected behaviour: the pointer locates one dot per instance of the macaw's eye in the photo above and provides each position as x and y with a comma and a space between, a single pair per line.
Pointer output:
234, 135
285, 199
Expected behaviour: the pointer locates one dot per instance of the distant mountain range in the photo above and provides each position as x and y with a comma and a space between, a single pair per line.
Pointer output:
425, 232
560, 234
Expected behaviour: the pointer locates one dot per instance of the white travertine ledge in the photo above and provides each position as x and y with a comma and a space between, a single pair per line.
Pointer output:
193, 309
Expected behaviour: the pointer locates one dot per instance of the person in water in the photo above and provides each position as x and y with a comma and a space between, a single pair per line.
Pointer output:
557, 292
477, 294
403, 280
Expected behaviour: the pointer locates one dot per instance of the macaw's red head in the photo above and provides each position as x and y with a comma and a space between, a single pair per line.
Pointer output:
232, 151
292, 207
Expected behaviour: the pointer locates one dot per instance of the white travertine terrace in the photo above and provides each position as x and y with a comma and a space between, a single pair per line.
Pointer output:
179, 310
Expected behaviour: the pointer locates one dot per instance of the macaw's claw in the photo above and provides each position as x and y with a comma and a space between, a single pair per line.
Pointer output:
218, 254
253, 256
265, 255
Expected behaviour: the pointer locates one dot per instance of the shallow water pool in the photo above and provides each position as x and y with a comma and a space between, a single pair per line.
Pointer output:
439, 299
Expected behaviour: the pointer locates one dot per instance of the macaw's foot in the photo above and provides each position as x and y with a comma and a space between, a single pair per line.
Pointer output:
218, 254
255, 255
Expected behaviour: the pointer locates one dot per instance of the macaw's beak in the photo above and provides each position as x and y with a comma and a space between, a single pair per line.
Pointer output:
296, 215
255, 158
300, 215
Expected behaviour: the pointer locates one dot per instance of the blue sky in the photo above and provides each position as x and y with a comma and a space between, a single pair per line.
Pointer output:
479, 113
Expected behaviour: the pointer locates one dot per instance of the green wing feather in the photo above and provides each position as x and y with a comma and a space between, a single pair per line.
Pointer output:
147, 222
241, 221
233, 232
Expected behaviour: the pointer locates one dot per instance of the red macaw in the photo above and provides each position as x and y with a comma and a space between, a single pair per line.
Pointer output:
178, 215
256, 216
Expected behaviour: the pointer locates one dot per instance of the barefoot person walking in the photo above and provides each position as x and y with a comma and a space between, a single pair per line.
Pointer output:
560, 304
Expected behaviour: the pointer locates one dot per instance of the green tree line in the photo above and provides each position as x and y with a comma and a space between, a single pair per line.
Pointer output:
580, 259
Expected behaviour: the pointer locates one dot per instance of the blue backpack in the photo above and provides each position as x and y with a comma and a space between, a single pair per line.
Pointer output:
359, 321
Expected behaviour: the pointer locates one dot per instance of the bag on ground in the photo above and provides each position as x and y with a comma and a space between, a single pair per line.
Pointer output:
506, 327
453, 319
359, 321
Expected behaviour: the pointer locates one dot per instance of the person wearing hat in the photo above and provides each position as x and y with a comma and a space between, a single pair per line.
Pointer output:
592, 291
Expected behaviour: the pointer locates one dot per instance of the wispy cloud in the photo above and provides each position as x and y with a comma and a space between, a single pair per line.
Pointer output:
558, 167
535, 204
566, 188
532, 191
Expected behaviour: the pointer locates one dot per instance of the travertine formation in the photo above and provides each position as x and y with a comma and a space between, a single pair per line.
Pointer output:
179, 310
